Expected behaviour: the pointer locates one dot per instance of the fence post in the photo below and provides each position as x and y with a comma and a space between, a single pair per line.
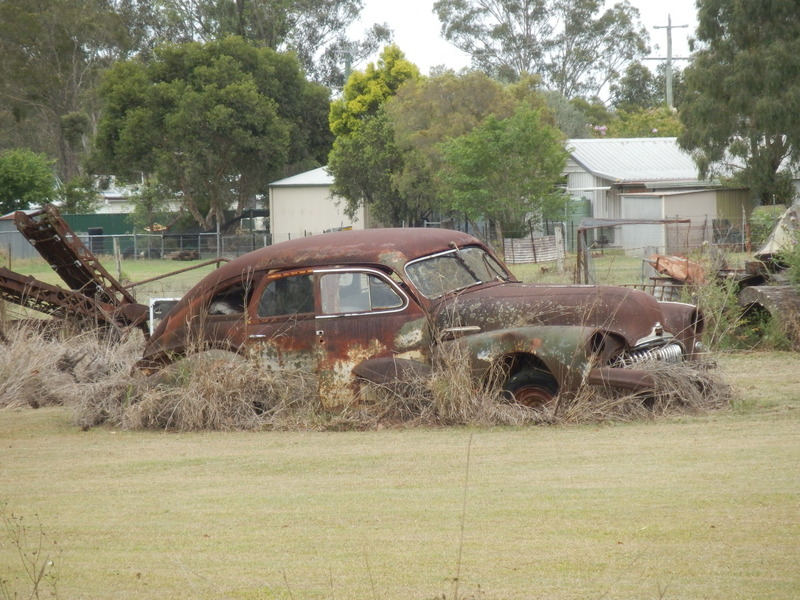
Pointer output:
557, 232
117, 256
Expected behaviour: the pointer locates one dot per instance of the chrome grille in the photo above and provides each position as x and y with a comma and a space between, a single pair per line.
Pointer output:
670, 353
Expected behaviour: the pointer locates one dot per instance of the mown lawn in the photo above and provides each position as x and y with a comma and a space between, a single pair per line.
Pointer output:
701, 507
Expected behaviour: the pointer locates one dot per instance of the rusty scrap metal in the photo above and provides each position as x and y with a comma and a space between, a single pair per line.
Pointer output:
56, 301
92, 293
49, 233
678, 268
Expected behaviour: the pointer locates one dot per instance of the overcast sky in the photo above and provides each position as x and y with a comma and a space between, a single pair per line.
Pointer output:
416, 29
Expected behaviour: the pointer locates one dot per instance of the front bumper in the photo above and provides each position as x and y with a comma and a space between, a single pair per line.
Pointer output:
633, 380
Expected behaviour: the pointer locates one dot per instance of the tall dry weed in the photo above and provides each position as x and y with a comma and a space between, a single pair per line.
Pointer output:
681, 389
224, 394
43, 363
93, 372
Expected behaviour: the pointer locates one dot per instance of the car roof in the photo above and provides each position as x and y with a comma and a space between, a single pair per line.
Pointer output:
387, 246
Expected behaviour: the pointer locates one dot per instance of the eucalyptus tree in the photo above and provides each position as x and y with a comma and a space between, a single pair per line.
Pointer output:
316, 30
574, 45
743, 94
52, 53
641, 88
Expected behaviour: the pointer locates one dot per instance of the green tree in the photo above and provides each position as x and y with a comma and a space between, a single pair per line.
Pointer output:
640, 88
392, 161
78, 196
214, 123
571, 44
743, 94
636, 89
571, 120
151, 208
52, 53
364, 155
315, 30
367, 90
26, 179
363, 165
428, 111
506, 171
597, 116
645, 122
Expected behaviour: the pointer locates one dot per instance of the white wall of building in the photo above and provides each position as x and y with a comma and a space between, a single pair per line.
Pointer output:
307, 210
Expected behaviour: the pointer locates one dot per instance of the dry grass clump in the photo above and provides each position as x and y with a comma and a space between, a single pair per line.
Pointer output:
45, 363
449, 396
208, 391
681, 389
218, 390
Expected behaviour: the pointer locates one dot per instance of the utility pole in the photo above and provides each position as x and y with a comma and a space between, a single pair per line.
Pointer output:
669, 27
348, 63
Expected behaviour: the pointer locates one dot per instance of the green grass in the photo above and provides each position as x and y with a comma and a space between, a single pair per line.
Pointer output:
702, 507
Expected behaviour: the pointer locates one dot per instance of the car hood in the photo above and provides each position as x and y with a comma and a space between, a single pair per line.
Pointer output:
629, 313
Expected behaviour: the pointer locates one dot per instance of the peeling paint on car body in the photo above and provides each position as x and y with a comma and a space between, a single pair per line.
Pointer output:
330, 303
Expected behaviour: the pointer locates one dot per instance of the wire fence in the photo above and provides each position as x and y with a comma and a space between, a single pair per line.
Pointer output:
624, 252
616, 251
187, 246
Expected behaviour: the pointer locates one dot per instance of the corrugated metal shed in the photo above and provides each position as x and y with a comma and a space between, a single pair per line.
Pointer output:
634, 160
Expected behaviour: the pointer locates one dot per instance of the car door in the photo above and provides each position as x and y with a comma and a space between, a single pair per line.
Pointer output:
329, 320
281, 330
363, 314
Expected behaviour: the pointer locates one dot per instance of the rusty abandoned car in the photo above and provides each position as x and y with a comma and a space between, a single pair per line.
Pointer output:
383, 304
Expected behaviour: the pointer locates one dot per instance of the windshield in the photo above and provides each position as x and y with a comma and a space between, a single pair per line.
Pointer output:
454, 270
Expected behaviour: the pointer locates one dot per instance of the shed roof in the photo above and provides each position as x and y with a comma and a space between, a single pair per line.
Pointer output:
634, 159
315, 177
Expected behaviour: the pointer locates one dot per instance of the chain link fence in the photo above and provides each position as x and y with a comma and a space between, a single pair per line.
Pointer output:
621, 251
185, 246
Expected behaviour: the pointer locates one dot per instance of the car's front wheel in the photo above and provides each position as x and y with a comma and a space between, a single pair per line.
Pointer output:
532, 387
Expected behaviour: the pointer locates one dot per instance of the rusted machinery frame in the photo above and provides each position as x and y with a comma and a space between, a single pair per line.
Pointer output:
47, 231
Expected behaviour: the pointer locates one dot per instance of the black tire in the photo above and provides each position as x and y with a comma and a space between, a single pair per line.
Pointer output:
532, 387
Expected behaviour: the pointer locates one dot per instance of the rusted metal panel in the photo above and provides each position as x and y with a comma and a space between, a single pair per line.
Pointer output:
678, 268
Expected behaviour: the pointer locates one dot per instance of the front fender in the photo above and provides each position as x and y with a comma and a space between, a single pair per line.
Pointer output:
686, 323
565, 351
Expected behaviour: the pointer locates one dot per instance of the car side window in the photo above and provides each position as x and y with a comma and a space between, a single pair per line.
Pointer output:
287, 296
230, 300
353, 292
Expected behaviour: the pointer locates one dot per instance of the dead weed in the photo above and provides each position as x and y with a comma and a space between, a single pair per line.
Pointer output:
220, 391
